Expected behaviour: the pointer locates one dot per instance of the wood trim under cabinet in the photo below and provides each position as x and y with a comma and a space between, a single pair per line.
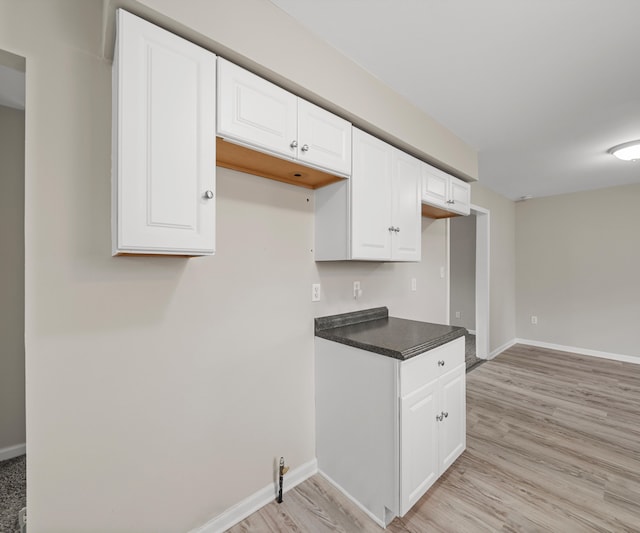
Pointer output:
243, 159
430, 211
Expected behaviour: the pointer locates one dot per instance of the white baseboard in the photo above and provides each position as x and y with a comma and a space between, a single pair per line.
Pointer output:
256, 501
12, 451
356, 502
581, 351
502, 348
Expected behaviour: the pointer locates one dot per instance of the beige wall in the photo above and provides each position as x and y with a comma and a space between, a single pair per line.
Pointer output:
577, 270
160, 391
12, 385
463, 271
502, 282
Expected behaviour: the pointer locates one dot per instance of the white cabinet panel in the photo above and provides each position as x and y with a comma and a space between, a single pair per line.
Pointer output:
452, 428
444, 191
371, 197
253, 111
375, 215
407, 239
257, 113
324, 139
419, 467
435, 186
460, 193
164, 142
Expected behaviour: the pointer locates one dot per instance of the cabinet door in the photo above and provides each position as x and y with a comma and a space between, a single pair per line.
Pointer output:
418, 445
256, 112
452, 428
460, 196
371, 227
164, 142
435, 186
406, 214
324, 139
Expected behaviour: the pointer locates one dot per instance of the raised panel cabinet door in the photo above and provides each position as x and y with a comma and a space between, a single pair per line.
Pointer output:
164, 142
324, 139
406, 213
452, 428
460, 195
255, 112
418, 445
435, 186
371, 198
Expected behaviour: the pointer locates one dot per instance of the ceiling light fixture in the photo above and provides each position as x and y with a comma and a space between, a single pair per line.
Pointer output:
627, 151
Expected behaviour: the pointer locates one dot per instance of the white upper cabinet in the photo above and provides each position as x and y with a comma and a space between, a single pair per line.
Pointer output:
374, 216
371, 198
254, 111
405, 214
257, 113
324, 139
444, 191
164, 159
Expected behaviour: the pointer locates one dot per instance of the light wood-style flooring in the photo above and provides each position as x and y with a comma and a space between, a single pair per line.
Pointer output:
553, 444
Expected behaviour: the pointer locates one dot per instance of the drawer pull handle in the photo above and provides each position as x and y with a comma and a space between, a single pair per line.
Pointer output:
441, 363
439, 418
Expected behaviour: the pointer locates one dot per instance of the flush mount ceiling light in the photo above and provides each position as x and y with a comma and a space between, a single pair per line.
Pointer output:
627, 151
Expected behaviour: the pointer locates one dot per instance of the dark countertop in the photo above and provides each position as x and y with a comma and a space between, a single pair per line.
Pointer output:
375, 331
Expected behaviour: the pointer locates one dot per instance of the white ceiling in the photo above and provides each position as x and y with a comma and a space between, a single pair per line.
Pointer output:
541, 88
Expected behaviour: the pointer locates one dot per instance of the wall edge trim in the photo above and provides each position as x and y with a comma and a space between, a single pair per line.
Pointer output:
500, 349
13, 451
257, 500
581, 351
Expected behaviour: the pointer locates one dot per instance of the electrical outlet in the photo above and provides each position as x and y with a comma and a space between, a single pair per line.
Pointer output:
414, 286
457, 314
357, 292
442, 272
534, 320
315, 292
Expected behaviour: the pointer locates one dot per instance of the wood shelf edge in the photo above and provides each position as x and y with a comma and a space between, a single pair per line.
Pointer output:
430, 211
243, 159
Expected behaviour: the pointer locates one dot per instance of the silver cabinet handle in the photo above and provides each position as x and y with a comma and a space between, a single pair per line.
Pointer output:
451, 201
445, 414
305, 148
392, 228
294, 144
397, 230
441, 363
208, 195
439, 418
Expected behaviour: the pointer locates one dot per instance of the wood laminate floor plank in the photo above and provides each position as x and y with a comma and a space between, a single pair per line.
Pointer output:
553, 445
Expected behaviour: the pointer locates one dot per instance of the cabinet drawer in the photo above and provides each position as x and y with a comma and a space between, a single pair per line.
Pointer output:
421, 369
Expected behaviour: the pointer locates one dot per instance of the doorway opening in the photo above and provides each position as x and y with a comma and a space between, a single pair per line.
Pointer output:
469, 280
12, 299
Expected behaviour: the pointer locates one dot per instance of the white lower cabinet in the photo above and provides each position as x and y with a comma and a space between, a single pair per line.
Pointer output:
387, 429
432, 433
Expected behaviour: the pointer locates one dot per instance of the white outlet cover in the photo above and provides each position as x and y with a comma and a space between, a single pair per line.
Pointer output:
315, 292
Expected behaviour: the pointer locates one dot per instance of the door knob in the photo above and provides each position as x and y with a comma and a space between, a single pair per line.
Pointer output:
208, 195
